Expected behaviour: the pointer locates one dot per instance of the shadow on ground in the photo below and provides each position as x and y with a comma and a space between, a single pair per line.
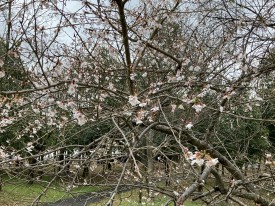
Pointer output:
85, 199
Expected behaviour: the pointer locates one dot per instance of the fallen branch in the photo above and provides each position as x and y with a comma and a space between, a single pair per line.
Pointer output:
194, 186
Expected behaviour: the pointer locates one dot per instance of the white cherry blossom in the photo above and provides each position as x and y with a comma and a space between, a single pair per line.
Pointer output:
142, 104
189, 125
133, 76
72, 88
133, 100
61, 105
212, 162
144, 74
198, 107
138, 120
2, 74
155, 109
111, 87
1, 63
197, 161
81, 119
173, 107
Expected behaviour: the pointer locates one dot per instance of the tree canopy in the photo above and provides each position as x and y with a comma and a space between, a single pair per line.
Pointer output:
192, 78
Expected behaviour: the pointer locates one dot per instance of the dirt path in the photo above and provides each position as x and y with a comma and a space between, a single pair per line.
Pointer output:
85, 199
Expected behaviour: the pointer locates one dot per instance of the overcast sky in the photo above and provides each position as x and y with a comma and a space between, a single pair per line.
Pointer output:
70, 6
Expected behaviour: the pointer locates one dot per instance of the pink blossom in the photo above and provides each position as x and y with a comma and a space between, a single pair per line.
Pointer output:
142, 104
2, 74
71, 104
188, 155
197, 159
173, 106
3, 155
81, 119
1, 63
199, 162
61, 105
72, 88
198, 107
185, 61
212, 162
133, 76
30, 146
189, 125
133, 100
154, 109
144, 74
138, 120
111, 87
268, 155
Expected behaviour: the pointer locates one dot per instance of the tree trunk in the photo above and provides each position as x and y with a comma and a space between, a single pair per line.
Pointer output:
32, 162
60, 159
85, 173
167, 171
150, 158
200, 187
0, 183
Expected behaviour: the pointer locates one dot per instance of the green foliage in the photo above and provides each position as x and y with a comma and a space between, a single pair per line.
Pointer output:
267, 85
87, 135
16, 76
244, 139
15, 79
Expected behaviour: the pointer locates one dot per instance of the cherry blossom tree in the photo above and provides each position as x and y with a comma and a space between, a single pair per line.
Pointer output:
147, 86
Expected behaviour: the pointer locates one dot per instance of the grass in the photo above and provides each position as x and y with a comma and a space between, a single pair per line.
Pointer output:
133, 198
17, 192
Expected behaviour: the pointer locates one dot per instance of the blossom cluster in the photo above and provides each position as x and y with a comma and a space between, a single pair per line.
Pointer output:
200, 158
